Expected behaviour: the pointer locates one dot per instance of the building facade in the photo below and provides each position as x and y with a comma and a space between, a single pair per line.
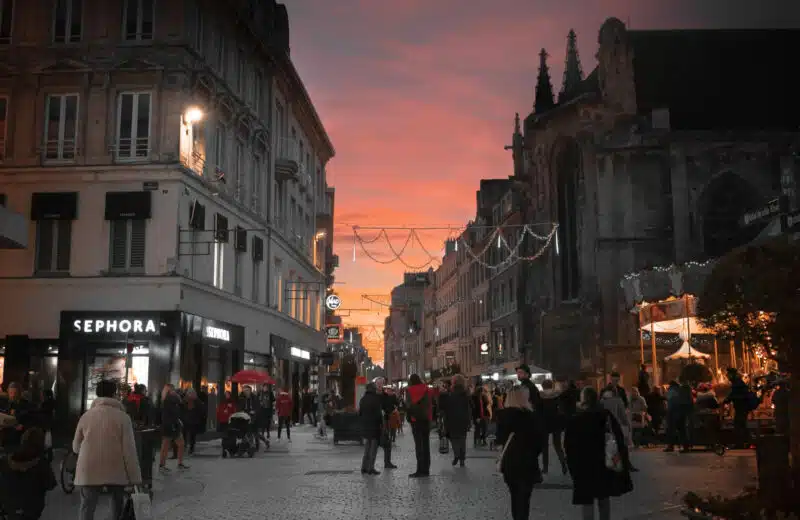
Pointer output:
403, 335
640, 168
173, 168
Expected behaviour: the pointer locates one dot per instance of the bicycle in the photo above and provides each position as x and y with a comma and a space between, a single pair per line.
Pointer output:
68, 467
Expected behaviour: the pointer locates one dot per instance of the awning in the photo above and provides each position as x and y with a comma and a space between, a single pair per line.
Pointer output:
128, 205
677, 325
687, 352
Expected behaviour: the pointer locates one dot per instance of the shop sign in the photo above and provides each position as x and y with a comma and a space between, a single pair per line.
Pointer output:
333, 302
484, 349
300, 353
333, 333
217, 333
124, 325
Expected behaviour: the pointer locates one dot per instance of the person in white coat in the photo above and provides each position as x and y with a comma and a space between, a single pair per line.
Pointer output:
106, 451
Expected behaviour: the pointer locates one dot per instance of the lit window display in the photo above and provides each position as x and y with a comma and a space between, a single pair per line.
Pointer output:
116, 365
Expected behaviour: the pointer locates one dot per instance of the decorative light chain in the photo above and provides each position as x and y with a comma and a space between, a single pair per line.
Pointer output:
668, 268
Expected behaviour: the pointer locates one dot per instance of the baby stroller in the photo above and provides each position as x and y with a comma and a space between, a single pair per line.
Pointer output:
239, 436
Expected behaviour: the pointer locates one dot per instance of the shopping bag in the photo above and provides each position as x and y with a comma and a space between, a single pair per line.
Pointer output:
48, 440
498, 465
138, 506
613, 457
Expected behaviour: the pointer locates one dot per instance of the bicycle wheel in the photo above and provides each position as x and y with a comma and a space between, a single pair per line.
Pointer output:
68, 465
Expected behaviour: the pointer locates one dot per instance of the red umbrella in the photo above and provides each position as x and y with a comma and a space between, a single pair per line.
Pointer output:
252, 377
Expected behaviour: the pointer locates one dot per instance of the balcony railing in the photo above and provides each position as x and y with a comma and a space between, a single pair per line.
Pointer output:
194, 161
288, 162
132, 148
59, 150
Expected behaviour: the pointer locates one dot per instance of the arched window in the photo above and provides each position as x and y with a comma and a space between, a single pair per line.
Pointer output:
567, 164
725, 200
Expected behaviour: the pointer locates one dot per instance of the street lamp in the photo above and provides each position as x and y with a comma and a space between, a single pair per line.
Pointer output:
193, 115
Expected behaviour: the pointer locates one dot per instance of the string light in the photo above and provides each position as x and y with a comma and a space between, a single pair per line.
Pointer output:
666, 269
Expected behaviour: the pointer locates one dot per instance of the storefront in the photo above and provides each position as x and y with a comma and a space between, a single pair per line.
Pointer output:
293, 367
150, 348
28, 362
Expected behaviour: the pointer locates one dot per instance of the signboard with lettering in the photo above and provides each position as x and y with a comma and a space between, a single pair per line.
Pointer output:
117, 325
216, 333
771, 209
333, 302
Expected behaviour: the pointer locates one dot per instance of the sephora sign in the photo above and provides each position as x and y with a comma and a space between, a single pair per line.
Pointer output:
117, 326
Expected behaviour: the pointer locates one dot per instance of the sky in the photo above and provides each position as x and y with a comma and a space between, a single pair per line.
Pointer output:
419, 96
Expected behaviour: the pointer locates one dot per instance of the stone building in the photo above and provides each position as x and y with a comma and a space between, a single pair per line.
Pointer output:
650, 160
403, 337
172, 166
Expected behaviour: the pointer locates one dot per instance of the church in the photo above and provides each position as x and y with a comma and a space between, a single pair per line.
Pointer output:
649, 166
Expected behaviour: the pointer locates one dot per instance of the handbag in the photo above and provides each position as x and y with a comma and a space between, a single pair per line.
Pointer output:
613, 457
499, 463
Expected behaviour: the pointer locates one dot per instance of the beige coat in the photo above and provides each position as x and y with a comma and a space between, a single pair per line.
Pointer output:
105, 446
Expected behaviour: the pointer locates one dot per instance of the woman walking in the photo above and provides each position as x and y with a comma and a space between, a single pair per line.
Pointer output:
370, 412
597, 457
553, 424
520, 437
456, 419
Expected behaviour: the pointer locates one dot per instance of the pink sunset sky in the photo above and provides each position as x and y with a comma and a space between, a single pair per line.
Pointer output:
419, 96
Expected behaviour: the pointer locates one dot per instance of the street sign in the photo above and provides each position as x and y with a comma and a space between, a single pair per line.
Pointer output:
333, 302
771, 209
333, 333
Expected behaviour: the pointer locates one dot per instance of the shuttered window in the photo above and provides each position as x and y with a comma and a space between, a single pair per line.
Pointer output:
127, 245
53, 246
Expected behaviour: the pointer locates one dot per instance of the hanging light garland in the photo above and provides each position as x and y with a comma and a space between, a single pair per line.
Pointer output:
495, 239
668, 268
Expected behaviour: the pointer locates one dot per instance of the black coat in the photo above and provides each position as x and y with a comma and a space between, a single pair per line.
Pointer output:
457, 413
521, 457
371, 413
534, 396
585, 447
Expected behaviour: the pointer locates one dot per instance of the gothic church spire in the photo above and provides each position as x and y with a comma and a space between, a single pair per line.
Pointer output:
544, 100
573, 73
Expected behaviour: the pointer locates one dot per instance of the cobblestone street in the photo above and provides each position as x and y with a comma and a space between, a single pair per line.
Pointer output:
310, 478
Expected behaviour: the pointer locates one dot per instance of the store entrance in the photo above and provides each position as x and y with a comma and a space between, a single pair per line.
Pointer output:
126, 363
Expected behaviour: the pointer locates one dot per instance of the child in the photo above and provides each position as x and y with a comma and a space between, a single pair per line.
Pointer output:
26, 478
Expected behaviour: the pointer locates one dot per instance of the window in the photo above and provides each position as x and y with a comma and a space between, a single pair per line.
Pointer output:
242, 71
138, 20
255, 286
292, 219
221, 59
53, 245
255, 183
61, 127
133, 126
257, 82
219, 264
199, 29
127, 245
240, 170
219, 152
279, 198
3, 124
237, 272
67, 21
6, 20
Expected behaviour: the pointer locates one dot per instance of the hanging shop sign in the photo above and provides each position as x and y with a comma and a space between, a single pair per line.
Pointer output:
333, 333
333, 302
300, 353
122, 325
484, 349
216, 333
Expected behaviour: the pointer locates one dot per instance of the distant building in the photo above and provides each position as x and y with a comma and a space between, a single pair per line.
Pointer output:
172, 167
403, 336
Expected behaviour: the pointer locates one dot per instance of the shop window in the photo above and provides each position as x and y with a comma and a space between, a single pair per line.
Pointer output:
137, 24
61, 127
67, 21
133, 126
6, 20
53, 246
113, 363
127, 245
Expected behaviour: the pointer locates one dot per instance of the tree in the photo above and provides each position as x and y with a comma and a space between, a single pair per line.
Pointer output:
753, 295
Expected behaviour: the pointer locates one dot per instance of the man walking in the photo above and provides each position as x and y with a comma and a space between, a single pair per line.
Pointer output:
420, 412
388, 406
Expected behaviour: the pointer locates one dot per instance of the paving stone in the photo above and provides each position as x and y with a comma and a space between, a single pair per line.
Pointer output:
311, 479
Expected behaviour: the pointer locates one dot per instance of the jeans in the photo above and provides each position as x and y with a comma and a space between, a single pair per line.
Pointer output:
191, 437
422, 446
284, 421
90, 496
386, 441
266, 426
370, 452
480, 431
740, 430
677, 430
556, 436
521, 491
603, 507
312, 418
459, 448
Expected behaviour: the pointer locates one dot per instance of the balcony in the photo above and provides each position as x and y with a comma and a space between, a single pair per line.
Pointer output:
59, 150
288, 164
194, 161
130, 149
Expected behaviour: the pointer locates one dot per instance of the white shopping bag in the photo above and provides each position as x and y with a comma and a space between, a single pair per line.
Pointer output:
142, 507
48, 440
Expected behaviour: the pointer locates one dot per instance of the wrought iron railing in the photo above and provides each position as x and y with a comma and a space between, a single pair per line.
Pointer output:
132, 148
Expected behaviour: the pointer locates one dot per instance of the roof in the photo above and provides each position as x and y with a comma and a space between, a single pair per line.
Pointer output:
731, 79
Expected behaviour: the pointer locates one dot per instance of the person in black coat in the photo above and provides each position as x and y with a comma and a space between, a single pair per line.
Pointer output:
585, 446
457, 416
370, 410
388, 406
520, 435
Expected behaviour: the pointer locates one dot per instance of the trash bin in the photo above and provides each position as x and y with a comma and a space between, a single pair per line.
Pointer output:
146, 448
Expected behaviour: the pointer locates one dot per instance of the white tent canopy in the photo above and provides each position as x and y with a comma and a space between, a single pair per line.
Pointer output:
687, 352
678, 325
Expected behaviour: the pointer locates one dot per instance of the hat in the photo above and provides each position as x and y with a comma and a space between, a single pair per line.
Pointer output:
525, 368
